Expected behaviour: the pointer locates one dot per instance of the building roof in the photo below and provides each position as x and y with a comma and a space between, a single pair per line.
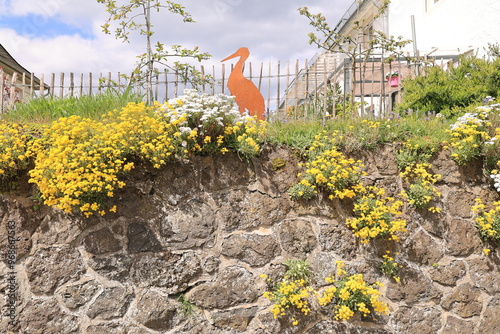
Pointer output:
356, 7
10, 65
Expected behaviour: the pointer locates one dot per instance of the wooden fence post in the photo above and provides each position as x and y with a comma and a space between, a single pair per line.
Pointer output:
382, 87
2, 88
71, 84
202, 69
90, 83
345, 90
269, 86
295, 89
32, 85
325, 89
223, 77
278, 90
42, 86
213, 74
306, 93
99, 84
23, 86
13, 96
176, 84
109, 81
156, 80
119, 83
166, 85
260, 75
61, 85
287, 86
334, 88
52, 83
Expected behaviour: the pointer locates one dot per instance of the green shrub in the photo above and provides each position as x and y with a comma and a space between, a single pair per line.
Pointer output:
449, 92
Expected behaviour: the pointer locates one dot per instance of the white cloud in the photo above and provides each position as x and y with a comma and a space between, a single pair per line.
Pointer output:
51, 8
272, 30
76, 13
68, 53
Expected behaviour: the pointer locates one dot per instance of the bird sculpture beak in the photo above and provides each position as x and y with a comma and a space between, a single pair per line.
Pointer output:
231, 56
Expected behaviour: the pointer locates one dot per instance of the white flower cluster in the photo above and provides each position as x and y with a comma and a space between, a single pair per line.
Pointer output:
480, 116
491, 141
489, 107
496, 181
469, 118
201, 111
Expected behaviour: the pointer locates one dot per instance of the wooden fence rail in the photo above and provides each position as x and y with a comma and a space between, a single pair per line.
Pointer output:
312, 90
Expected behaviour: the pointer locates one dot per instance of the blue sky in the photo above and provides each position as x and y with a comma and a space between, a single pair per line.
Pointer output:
65, 35
36, 25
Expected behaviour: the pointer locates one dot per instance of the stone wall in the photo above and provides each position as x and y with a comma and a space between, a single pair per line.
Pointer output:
205, 230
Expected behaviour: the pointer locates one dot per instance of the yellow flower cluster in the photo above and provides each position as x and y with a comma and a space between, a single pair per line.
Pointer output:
248, 139
376, 215
330, 170
371, 124
488, 221
350, 294
347, 293
420, 183
79, 161
327, 295
13, 148
468, 135
289, 295
389, 266
143, 134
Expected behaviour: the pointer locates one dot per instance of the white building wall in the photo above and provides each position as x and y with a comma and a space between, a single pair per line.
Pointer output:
453, 26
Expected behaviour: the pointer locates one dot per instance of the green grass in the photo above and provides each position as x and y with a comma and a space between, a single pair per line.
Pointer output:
48, 109
297, 134
363, 133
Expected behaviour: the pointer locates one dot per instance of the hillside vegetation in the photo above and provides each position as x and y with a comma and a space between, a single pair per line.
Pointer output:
80, 161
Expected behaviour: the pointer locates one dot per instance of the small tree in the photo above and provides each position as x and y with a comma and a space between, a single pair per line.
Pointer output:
493, 50
144, 71
353, 45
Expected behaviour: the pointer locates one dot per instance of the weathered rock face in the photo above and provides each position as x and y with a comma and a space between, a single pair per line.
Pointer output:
111, 303
46, 316
185, 251
77, 295
51, 267
425, 320
235, 285
254, 249
297, 237
157, 311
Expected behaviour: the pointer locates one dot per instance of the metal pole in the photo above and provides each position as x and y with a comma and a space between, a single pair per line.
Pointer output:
414, 37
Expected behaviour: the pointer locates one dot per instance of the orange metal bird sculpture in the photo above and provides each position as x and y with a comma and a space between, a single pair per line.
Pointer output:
247, 95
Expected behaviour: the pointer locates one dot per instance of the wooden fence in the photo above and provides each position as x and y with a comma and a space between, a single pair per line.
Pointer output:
311, 89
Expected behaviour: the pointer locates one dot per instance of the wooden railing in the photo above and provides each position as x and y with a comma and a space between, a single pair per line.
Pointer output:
294, 89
